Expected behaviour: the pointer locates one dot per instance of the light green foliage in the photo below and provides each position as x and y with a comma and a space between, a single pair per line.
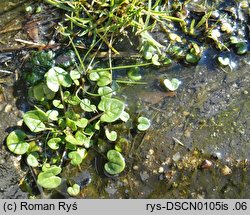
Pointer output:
74, 190
105, 91
67, 124
224, 61
172, 85
16, 142
112, 136
53, 143
116, 162
143, 123
87, 106
57, 77
103, 78
32, 160
77, 156
134, 74
112, 109
35, 119
48, 177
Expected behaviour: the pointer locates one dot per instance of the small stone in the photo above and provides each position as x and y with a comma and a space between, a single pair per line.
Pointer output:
245, 92
8, 108
217, 155
206, 164
151, 151
226, 170
161, 169
1, 98
176, 156
19, 123
144, 175
135, 167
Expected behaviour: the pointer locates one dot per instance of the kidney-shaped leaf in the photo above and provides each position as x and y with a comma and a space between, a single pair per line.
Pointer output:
112, 109
172, 85
34, 120
32, 160
16, 143
57, 77
48, 180
53, 143
144, 123
116, 162
74, 190
77, 156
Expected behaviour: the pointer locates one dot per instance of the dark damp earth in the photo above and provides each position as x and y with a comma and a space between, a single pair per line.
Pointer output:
198, 145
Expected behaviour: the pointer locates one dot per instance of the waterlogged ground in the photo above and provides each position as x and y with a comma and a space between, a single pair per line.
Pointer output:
197, 147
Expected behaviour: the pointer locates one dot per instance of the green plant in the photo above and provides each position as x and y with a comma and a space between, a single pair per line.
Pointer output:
74, 190
143, 123
116, 163
171, 85
66, 122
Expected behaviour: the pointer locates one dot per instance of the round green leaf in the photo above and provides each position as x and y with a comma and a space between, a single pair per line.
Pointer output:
112, 136
224, 61
74, 74
87, 106
34, 120
155, 59
32, 160
57, 77
82, 139
144, 123
71, 139
72, 124
124, 116
103, 78
74, 190
15, 142
112, 109
241, 48
105, 91
172, 85
134, 74
75, 157
55, 170
52, 114
48, 180
191, 58
82, 123
53, 143
57, 103
116, 162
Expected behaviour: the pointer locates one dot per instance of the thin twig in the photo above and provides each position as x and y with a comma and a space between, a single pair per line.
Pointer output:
177, 141
5, 71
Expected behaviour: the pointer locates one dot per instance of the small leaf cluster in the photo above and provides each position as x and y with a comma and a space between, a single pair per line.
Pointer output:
66, 122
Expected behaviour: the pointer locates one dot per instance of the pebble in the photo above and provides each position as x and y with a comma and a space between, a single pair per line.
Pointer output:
1, 98
144, 175
217, 155
135, 167
161, 169
19, 123
206, 164
8, 108
176, 156
226, 170
151, 152
245, 92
